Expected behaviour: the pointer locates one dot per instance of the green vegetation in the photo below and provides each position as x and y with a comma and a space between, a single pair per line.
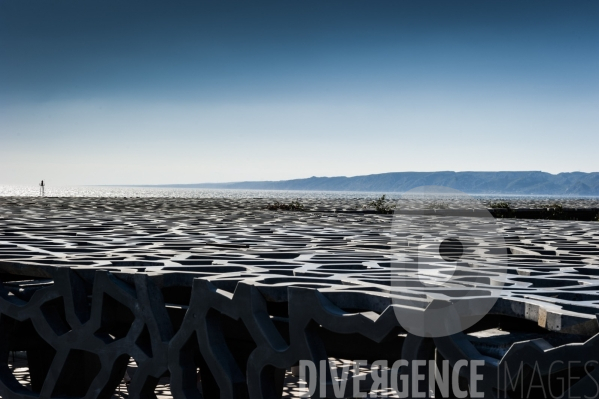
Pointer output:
500, 205
292, 206
382, 205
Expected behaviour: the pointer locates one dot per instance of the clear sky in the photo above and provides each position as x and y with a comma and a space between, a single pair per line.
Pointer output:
150, 92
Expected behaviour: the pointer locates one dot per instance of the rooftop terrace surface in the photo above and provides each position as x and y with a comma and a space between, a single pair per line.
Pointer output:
544, 273
552, 264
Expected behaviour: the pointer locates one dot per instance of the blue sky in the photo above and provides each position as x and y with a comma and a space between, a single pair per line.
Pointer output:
146, 92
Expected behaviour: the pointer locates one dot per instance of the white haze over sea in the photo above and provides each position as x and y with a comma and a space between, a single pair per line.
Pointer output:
163, 192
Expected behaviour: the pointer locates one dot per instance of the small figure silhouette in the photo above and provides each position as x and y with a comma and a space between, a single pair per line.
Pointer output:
42, 188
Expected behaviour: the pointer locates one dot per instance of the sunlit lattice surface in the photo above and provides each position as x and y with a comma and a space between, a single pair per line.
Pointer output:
242, 294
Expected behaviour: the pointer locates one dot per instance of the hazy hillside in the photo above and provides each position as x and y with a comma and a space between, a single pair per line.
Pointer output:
540, 183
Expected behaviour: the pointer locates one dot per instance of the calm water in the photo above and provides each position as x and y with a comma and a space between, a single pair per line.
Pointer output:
155, 192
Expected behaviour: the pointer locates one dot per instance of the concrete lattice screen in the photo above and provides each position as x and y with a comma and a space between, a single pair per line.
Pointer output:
223, 298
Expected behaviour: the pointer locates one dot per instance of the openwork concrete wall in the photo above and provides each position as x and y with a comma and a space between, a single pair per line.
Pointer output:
234, 295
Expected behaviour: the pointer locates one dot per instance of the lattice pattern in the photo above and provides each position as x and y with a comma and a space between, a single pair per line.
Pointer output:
242, 294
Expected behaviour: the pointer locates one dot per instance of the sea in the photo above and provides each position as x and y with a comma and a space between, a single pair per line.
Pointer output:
170, 192
164, 192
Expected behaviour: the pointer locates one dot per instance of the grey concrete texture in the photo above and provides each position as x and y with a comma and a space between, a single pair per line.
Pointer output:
236, 294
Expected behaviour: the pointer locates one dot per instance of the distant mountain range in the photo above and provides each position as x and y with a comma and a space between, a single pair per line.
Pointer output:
523, 183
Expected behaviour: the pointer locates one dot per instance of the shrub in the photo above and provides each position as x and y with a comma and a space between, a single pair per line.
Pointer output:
382, 205
500, 205
292, 206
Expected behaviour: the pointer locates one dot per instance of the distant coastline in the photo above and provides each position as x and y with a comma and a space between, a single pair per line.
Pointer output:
492, 183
